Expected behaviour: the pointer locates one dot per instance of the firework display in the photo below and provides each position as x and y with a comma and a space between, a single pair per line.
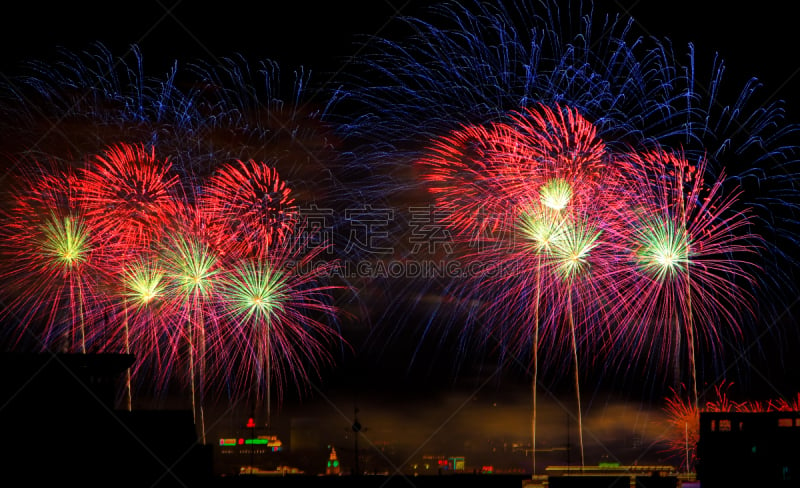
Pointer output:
547, 178
467, 65
590, 183
603, 216
114, 259
610, 251
50, 262
163, 198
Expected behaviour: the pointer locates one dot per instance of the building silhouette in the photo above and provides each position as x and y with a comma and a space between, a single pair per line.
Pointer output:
749, 449
61, 427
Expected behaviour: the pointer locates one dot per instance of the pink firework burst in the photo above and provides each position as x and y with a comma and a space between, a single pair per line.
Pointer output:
277, 319
686, 253
50, 270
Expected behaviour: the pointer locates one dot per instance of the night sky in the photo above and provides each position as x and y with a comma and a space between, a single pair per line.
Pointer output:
422, 405
754, 41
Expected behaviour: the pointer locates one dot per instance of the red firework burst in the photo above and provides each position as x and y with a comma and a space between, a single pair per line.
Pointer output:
127, 194
249, 203
683, 420
480, 175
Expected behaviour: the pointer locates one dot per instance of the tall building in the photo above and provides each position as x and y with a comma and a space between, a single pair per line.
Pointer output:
333, 467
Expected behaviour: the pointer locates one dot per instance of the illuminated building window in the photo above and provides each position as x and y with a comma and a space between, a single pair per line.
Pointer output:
713, 425
797, 422
725, 425
785, 422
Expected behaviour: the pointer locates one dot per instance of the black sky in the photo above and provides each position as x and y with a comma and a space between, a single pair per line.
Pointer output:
754, 40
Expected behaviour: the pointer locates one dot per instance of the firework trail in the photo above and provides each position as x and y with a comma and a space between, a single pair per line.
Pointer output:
142, 323
192, 267
247, 203
128, 194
